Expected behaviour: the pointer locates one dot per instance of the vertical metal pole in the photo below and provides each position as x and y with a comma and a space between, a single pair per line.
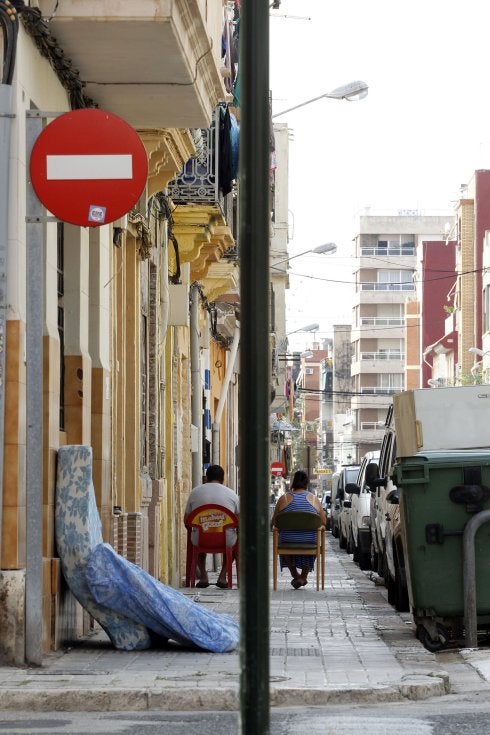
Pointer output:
5, 125
34, 410
196, 398
254, 367
469, 576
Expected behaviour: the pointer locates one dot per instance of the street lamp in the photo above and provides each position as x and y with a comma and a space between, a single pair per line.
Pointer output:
328, 247
351, 92
476, 367
307, 353
308, 328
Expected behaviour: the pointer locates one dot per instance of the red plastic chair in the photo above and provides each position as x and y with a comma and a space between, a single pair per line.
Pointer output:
211, 522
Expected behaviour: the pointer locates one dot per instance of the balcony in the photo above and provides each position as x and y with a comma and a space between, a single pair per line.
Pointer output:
374, 398
393, 251
390, 361
372, 435
372, 292
156, 64
369, 327
378, 286
199, 182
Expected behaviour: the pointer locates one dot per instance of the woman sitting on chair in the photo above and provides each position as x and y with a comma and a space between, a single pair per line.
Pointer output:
298, 498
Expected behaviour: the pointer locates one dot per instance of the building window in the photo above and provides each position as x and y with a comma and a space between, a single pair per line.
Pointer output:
391, 381
396, 280
486, 309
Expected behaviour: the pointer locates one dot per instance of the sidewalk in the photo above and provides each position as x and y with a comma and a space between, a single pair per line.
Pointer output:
343, 645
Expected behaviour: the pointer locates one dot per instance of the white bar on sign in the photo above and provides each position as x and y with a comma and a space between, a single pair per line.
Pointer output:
81, 167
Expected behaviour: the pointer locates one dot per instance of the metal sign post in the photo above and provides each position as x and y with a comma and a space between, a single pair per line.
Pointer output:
34, 406
254, 367
6, 116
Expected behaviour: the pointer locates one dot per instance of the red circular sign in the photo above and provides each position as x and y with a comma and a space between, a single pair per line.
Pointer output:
277, 468
88, 167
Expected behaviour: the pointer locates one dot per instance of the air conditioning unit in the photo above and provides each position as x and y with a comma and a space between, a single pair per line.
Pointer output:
308, 371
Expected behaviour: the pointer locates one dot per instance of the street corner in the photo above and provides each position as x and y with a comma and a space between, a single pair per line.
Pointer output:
479, 659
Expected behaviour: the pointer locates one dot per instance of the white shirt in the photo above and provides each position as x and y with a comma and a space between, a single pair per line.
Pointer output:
209, 493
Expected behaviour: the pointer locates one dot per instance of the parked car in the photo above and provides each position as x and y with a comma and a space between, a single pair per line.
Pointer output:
379, 504
326, 502
387, 551
360, 512
335, 506
348, 473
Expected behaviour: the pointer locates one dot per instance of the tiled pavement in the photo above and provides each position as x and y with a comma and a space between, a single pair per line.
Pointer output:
345, 644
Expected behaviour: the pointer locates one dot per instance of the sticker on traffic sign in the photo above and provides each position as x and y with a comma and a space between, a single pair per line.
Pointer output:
88, 167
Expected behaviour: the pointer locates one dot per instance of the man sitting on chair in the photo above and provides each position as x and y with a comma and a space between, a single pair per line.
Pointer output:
213, 492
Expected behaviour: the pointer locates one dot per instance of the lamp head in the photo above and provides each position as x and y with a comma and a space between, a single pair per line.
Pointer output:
477, 351
328, 247
352, 92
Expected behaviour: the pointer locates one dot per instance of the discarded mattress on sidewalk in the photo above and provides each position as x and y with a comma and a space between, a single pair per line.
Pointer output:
127, 589
78, 532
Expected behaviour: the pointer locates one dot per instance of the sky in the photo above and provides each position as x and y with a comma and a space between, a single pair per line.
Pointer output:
411, 144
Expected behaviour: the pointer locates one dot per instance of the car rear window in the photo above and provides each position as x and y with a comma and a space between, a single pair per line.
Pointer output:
351, 474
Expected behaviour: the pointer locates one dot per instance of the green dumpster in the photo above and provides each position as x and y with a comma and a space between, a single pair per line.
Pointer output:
439, 493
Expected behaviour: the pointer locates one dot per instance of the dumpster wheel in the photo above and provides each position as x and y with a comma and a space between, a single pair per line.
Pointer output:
432, 644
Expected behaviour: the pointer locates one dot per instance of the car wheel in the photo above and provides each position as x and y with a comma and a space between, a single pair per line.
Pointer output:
364, 560
356, 552
350, 544
374, 558
390, 586
342, 540
335, 531
401, 593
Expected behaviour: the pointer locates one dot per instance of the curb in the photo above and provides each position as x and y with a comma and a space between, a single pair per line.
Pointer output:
98, 699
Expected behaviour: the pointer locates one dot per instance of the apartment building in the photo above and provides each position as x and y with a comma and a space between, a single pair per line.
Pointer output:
386, 246
460, 355
125, 365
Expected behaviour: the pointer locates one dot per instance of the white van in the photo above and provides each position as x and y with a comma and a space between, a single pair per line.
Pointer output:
360, 513
335, 506
347, 474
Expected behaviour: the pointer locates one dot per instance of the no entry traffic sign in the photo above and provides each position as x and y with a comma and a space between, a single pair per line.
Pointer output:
277, 469
88, 167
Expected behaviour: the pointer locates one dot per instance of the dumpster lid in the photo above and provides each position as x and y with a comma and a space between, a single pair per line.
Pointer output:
449, 456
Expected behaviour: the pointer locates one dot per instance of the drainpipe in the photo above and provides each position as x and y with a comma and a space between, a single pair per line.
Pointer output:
230, 364
6, 116
196, 398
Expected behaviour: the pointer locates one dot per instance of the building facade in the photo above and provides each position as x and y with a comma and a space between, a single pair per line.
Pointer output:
139, 316
386, 263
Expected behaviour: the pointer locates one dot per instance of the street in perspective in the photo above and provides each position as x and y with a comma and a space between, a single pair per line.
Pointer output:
342, 659
244, 368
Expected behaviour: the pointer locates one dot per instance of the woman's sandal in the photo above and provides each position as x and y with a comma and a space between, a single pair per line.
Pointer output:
297, 583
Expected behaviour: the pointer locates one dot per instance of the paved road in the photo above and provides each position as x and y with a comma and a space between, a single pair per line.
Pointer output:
345, 645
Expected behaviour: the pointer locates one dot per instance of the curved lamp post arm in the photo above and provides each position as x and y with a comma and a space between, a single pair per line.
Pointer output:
350, 92
328, 247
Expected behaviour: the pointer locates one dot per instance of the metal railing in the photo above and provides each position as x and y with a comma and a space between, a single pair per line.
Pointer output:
386, 355
392, 251
381, 322
381, 391
375, 286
